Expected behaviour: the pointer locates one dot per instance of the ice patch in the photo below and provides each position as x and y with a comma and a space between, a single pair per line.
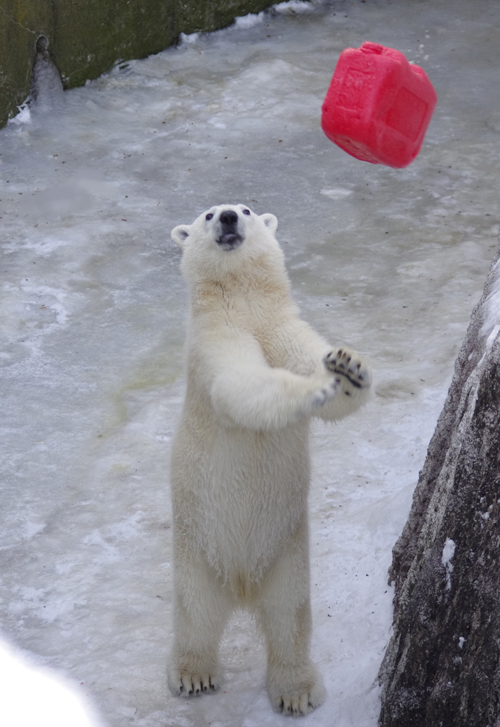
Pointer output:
248, 21
294, 7
76, 195
23, 117
448, 553
43, 247
90, 181
337, 193
125, 529
32, 529
42, 603
103, 552
190, 39
217, 124
50, 298
30, 311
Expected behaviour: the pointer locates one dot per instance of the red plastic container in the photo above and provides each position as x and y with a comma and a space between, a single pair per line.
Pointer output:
378, 106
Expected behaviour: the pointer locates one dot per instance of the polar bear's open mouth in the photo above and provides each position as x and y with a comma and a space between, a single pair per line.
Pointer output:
229, 240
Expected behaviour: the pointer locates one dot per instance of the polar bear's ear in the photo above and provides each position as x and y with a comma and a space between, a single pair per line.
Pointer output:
179, 234
270, 221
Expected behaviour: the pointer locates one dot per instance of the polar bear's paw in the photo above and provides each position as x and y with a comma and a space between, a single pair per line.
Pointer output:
298, 694
299, 702
297, 705
183, 683
350, 365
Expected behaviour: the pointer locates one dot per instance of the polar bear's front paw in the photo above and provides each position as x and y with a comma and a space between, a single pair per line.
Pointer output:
349, 364
185, 684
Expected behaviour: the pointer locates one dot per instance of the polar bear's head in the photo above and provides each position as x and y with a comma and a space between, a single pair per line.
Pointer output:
227, 238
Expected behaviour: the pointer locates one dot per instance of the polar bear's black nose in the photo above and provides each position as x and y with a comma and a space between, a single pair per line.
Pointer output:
230, 236
229, 218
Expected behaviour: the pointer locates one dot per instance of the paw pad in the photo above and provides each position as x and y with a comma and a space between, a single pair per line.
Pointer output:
349, 365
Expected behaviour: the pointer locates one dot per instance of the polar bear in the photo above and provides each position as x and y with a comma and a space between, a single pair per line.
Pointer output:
256, 374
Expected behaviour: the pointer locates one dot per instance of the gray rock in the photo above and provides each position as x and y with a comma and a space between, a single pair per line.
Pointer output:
442, 666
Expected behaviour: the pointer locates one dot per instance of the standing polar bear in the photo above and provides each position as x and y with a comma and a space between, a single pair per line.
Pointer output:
256, 374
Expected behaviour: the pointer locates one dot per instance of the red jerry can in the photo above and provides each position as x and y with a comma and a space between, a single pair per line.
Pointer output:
378, 105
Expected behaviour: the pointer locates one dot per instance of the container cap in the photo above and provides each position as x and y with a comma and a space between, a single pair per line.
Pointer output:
368, 47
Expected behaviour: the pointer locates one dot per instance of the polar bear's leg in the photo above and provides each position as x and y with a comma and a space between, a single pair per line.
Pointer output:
201, 611
293, 683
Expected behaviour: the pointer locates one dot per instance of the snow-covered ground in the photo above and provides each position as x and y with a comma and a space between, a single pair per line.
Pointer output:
39, 696
92, 320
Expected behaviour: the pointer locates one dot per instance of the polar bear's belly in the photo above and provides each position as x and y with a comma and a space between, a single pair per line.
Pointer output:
249, 493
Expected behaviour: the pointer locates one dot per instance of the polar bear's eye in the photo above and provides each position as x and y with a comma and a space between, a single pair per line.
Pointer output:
246, 212
209, 216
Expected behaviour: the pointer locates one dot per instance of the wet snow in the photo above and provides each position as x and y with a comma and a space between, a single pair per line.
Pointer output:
92, 321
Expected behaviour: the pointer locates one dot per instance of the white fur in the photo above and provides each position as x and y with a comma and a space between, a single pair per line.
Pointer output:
256, 373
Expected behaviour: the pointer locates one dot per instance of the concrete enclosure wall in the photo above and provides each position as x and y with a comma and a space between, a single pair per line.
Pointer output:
86, 37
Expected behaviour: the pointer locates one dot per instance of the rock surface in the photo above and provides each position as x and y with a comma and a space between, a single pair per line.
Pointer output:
442, 666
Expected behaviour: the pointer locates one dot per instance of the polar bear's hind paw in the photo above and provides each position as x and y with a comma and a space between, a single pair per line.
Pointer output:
296, 705
193, 685
350, 365
299, 702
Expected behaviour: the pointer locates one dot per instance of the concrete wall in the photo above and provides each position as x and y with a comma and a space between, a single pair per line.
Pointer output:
87, 36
